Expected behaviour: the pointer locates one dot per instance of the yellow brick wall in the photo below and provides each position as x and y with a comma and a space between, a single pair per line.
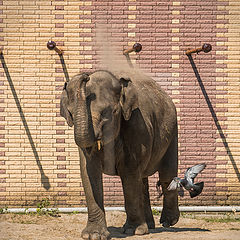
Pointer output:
35, 73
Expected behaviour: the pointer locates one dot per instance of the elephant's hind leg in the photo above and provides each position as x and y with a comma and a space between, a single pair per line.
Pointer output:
170, 213
168, 170
147, 205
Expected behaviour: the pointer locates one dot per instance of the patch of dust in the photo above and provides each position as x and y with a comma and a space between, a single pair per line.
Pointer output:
110, 55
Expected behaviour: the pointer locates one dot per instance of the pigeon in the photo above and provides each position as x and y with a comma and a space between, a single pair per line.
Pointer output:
188, 182
160, 192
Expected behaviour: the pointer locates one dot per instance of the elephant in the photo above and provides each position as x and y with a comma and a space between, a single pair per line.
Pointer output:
124, 125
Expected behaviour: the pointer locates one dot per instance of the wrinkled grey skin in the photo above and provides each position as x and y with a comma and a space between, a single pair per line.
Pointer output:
136, 123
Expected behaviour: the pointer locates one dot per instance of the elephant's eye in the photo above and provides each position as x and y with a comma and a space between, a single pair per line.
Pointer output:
107, 113
115, 110
91, 97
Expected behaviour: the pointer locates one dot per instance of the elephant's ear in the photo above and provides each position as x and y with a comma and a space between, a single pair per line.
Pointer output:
128, 98
64, 108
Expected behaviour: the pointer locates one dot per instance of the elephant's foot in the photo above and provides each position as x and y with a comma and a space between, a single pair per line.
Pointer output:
169, 217
149, 219
94, 231
151, 224
142, 229
139, 230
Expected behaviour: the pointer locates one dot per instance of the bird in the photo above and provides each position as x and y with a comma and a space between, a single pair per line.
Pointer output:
188, 182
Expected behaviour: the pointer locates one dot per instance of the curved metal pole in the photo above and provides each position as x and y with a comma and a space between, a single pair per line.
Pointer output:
51, 45
206, 47
137, 47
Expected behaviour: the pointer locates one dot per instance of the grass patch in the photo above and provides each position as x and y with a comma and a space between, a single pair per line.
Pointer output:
222, 219
3, 210
213, 218
42, 209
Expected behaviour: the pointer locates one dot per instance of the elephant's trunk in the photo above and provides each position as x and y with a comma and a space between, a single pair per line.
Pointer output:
83, 129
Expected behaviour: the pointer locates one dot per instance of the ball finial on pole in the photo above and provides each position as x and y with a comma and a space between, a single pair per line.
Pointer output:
51, 45
137, 47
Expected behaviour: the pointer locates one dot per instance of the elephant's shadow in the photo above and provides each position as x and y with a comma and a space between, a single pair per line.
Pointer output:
116, 232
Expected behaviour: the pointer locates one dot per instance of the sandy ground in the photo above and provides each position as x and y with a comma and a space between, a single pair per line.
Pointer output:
69, 226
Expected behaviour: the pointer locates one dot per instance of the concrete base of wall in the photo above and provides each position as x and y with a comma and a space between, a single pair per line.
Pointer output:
84, 209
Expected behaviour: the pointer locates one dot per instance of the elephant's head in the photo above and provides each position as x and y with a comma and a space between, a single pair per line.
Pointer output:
94, 104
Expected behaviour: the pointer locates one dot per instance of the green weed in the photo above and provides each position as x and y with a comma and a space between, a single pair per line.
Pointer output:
155, 212
75, 212
3, 210
43, 208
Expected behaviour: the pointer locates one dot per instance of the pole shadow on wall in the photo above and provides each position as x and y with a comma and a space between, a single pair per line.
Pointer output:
214, 116
44, 178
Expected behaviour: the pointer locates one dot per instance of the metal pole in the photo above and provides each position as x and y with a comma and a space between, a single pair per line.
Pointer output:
51, 45
137, 47
206, 47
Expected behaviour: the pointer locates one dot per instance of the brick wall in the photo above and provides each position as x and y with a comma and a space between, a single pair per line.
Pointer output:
38, 157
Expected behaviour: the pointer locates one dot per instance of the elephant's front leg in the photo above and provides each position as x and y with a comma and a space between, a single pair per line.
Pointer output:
92, 182
134, 204
147, 205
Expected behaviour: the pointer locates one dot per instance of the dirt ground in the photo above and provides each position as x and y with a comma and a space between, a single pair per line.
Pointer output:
69, 226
